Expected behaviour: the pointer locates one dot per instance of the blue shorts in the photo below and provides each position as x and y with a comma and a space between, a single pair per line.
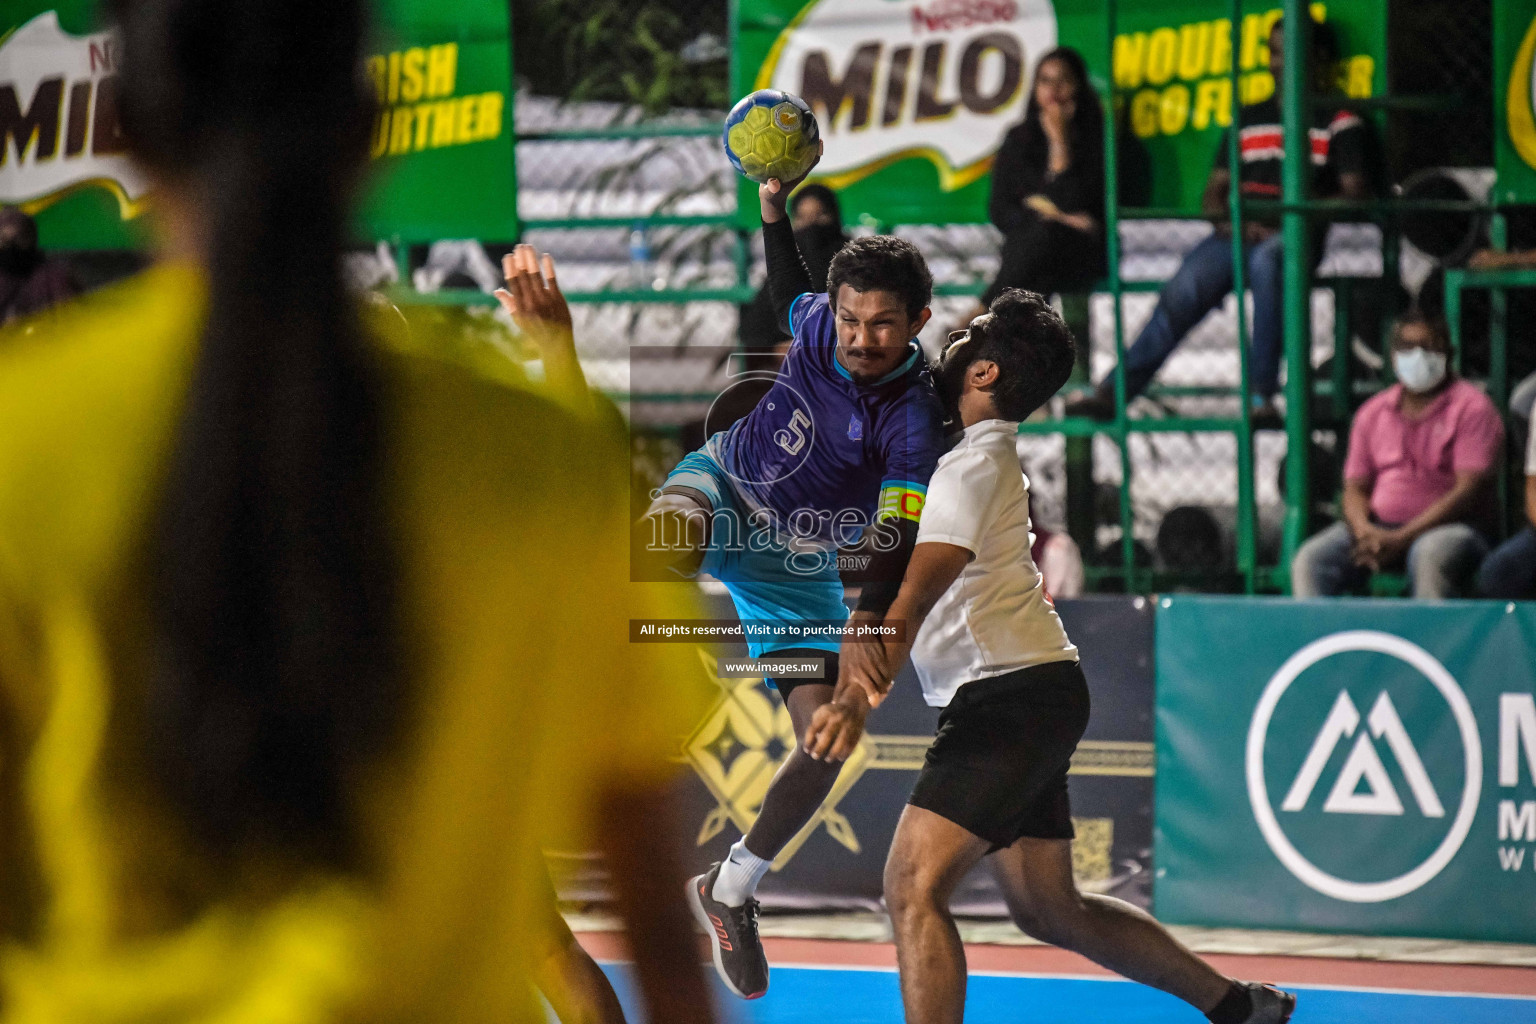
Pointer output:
770, 580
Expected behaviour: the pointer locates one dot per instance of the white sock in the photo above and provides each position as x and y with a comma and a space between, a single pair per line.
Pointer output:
739, 874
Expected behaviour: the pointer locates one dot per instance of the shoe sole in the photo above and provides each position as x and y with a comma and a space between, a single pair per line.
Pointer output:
702, 917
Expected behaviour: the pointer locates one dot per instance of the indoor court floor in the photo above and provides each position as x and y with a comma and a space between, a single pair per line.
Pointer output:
833, 982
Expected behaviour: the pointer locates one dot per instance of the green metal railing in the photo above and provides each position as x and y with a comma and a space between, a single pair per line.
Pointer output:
1297, 213
1338, 393
1496, 283
740, 292
1134, 577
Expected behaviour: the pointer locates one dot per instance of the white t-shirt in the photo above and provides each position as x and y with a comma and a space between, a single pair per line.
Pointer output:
995, 618
1530, 451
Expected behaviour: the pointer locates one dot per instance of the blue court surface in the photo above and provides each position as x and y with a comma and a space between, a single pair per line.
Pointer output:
803, 995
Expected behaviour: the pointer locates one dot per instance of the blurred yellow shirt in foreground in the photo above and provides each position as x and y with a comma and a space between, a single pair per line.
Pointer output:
511, 514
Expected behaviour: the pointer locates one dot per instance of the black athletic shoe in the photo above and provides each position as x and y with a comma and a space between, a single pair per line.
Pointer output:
1270, 1004
739, 957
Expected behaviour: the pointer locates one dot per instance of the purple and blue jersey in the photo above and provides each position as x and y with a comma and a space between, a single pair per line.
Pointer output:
820, 457
827, 455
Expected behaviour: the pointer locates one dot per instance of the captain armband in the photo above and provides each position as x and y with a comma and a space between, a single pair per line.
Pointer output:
901, 499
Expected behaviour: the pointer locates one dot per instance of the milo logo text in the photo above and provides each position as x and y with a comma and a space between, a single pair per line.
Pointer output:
943, 79
59, 117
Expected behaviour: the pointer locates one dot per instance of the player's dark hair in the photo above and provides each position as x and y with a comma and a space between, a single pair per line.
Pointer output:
275, 670
883, 263
1032, 347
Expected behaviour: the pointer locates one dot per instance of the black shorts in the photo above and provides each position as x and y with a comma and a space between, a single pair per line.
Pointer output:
998, 766
829, 670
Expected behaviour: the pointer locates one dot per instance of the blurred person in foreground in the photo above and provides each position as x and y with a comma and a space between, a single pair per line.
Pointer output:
1418, 479
1509, 572
990, 649
288, 620
1342, 168
1048, 185
30, 281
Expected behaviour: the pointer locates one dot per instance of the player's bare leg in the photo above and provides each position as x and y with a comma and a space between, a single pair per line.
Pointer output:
675, 532
575, 986
722, 898
801, 783
929, 855
1035, 876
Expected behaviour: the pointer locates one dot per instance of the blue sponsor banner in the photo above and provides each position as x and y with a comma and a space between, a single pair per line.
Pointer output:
1359, 766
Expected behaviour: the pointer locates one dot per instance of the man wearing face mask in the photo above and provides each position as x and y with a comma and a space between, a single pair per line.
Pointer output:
29, 281
1418, 481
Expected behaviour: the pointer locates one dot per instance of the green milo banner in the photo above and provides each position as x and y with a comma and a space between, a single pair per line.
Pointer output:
1514, 90
442, 142
1354, 766
914, 97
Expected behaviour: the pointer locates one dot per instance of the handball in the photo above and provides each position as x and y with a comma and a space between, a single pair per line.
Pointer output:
771, 134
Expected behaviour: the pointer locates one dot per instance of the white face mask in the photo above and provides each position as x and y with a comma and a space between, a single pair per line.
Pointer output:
1419, 369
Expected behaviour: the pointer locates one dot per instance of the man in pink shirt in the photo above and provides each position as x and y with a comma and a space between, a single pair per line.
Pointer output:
1418, 482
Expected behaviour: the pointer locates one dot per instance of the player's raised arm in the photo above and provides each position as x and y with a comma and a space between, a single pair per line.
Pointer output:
532, 297
787, 277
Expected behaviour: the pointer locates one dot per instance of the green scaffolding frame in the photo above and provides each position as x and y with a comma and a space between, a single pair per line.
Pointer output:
1296, 211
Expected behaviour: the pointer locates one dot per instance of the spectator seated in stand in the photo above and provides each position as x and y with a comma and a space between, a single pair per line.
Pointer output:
1059, 560
1048, 186
1509, 573
1342, 166
1418, 480
30, 282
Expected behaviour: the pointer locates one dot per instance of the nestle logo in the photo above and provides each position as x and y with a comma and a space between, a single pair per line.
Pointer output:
952, 14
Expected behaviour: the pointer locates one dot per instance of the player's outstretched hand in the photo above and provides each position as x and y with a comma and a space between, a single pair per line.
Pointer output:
773, 194
835, 729
532, 296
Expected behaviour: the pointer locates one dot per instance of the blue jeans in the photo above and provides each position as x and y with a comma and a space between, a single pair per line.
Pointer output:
1441, 563
1199, 286
1510, 572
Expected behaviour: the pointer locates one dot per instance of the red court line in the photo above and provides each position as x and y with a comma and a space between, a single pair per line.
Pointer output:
1295, 970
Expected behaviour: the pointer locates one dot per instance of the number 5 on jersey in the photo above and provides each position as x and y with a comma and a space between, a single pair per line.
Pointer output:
792, 439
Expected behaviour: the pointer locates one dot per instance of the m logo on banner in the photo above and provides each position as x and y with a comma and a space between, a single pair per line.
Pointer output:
1364, 766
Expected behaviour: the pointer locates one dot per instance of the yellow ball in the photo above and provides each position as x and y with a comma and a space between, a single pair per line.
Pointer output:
771, 134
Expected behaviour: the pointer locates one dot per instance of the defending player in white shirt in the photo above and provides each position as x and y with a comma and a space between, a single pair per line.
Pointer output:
990, 650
